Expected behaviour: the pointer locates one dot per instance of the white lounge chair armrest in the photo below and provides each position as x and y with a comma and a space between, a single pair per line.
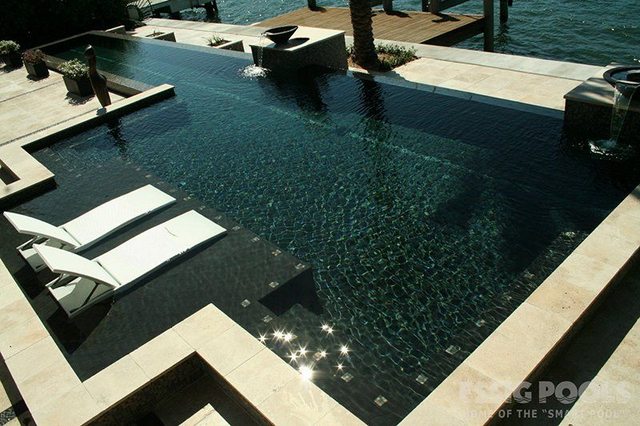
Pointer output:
38, 228
64, 262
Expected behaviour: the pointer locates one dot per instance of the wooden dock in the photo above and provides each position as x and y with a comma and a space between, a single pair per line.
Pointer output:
441, 29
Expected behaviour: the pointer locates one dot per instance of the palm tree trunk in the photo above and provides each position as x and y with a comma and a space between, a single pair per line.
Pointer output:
363, 47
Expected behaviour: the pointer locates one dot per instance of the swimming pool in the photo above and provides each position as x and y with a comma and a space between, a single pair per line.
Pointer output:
426, 218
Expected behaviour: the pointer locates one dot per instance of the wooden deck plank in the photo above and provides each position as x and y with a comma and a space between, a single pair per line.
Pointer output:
412, 27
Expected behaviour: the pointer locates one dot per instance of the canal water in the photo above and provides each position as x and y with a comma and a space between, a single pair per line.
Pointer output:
586, 31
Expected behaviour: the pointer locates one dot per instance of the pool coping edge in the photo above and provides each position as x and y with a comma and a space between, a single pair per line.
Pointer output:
476, 391
32, 176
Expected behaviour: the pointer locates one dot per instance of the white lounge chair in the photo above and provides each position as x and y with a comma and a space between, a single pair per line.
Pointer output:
89, 228
84, 282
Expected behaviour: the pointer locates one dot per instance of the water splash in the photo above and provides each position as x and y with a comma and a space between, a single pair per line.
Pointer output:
253, 71
256, 70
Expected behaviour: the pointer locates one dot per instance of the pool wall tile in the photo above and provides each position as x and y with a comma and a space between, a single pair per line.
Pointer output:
452, 92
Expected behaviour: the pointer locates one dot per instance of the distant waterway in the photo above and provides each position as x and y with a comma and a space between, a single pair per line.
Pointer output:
586, 31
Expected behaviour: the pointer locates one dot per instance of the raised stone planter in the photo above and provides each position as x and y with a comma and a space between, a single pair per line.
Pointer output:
162, 36
120, 29
232, 45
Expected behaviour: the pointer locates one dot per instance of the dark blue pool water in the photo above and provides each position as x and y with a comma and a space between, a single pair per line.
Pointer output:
427, 219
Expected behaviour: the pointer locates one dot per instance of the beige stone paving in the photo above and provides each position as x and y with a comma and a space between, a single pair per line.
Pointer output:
29, 172
518, 86
27, 106
198, 33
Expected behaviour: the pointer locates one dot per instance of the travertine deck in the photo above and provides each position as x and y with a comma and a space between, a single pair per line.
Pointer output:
518, 86
410, 27
27, 106
28, 172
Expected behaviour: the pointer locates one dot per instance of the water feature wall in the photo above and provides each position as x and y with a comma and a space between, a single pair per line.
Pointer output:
308, 46
601, 110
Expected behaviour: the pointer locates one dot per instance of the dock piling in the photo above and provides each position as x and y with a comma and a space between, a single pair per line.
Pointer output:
488, 25
311, 4
387, 5
504, 10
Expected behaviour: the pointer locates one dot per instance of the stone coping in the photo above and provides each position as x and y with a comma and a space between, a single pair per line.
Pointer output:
444, 91
522, 345
273, 388
33, 176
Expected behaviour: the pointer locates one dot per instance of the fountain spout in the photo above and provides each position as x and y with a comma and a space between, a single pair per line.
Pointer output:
626, 82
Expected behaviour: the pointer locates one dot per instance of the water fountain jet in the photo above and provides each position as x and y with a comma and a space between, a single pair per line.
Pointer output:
626, 81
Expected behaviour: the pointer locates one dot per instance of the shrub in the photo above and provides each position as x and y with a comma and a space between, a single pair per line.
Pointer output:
390, 55
74, 69
215, 40
33, 56
8, 46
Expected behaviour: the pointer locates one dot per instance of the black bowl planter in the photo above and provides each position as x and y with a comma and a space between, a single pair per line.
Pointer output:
12, 60
81, 87
280, 35
37, 70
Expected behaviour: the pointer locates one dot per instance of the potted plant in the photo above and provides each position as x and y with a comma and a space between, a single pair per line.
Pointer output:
76, 77
34, 63
10, 53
